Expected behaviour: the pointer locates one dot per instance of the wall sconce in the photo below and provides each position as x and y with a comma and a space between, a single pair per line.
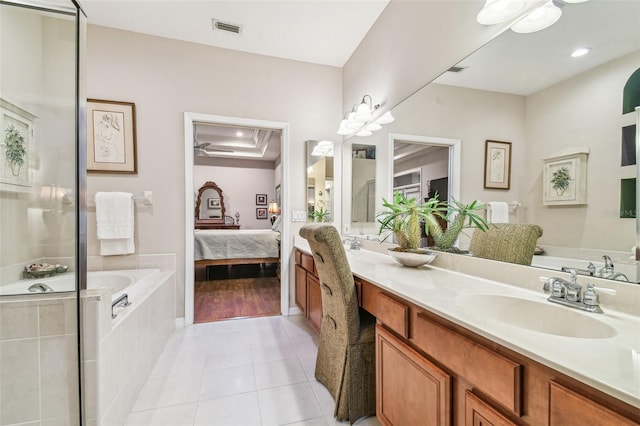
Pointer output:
359, 121
273, 210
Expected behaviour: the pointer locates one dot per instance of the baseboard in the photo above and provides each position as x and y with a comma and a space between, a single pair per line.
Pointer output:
294, 310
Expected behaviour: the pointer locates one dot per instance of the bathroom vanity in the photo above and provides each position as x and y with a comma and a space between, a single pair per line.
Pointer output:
453, 350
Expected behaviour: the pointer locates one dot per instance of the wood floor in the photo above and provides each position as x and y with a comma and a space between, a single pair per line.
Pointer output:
236, 292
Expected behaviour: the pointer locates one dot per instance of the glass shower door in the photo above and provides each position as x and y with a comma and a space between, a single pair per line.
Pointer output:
40, 268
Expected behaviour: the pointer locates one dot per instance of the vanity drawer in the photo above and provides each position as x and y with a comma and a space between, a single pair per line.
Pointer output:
306, 261
392, 313
488, 371
567, 407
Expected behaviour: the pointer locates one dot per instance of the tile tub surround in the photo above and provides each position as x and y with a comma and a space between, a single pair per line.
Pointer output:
118, 354
38, 358
610, 365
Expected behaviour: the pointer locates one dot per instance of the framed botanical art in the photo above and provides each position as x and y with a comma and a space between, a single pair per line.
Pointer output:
564, 178
261, 213
15, 140
261, 199
111, 137
497, 165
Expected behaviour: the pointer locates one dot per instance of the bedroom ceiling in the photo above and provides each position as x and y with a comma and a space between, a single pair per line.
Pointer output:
212, 140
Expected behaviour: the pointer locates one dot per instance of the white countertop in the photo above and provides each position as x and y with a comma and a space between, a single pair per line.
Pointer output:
611, 364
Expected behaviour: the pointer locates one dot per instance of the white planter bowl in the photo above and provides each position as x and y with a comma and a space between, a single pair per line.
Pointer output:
412, 260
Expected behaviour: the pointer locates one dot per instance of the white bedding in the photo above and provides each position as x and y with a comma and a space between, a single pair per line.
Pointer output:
235, 243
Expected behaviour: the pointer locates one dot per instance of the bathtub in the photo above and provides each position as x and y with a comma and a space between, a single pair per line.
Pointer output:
119, 353
115, 281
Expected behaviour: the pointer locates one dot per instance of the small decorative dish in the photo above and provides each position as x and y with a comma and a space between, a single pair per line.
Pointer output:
413, 259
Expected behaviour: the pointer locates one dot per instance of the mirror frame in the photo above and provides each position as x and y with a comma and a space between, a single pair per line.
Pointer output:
204, 222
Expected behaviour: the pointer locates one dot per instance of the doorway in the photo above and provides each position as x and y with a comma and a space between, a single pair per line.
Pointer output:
230, 277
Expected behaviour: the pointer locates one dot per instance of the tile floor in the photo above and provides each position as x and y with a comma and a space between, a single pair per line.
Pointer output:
243, 372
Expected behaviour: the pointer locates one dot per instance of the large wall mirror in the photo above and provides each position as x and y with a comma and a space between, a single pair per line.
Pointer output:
320, 181
526, 89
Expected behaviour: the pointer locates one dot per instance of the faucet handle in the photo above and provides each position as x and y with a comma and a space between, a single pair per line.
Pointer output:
590, 296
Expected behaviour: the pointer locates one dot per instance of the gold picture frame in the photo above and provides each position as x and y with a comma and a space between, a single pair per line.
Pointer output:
111, 137
497, 165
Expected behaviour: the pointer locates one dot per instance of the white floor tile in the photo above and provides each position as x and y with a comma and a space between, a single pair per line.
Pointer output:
236, 410
227, 382
318, 421
165, 391
325, 399
175, 415
288, 404
244, 372
221, 358
272, 351
278, 373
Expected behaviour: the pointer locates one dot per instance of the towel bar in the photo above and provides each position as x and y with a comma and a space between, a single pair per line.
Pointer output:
146, 199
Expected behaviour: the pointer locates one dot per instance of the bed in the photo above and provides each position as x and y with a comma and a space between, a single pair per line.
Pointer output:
236, 246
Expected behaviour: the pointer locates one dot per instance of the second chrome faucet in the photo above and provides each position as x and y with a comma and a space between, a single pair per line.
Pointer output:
569, 293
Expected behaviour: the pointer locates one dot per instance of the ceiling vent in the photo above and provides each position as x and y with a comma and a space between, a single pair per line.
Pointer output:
457, 69
226, 26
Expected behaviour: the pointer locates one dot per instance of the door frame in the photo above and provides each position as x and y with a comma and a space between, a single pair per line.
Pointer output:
189, 119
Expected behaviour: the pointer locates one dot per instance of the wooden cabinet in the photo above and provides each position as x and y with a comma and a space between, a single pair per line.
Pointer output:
308, 295
410, 390
479, 413
570, 408
301, 289
421, 355
314, 302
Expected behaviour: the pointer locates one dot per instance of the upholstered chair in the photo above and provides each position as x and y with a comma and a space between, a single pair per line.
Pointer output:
506, 242
345, 364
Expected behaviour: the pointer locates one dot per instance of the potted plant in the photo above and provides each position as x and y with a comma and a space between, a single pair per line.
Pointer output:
320, 215
458, 216
14, 149
403, 218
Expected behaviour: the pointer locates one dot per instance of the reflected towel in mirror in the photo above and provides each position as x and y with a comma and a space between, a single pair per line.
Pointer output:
498, 212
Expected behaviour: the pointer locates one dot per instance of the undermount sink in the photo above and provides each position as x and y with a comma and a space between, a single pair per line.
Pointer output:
543, 317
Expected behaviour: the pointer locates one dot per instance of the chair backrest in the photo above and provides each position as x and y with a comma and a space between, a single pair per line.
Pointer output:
506, 242
339, 298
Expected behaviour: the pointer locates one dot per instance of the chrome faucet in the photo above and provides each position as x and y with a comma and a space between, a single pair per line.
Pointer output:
568, 293
355, 244
608, 265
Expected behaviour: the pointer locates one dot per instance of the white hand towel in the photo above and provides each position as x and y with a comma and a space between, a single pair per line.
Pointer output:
114, 220
499, 212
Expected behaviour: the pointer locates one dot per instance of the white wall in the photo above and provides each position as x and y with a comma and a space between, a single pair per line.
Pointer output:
585, 111
165, 78
399, 54
239, 188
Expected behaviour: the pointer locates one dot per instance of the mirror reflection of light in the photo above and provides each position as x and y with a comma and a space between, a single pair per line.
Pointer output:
580, 52
239, 134
323, 149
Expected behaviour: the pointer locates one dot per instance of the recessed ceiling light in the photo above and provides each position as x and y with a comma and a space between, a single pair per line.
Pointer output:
239, 134
581, 51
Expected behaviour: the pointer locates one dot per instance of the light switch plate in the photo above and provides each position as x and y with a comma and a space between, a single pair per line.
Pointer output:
298, 216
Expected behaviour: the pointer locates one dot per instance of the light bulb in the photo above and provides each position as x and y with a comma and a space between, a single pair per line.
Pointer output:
497, 11
541, 18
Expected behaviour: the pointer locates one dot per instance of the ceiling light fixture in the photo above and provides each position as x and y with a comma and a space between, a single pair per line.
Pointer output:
497, 11
581, 51
358, 120
541, 18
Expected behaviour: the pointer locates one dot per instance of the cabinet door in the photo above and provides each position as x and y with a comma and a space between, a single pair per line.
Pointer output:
410, 390
568, 408
478, 413
314, 302
301, 289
